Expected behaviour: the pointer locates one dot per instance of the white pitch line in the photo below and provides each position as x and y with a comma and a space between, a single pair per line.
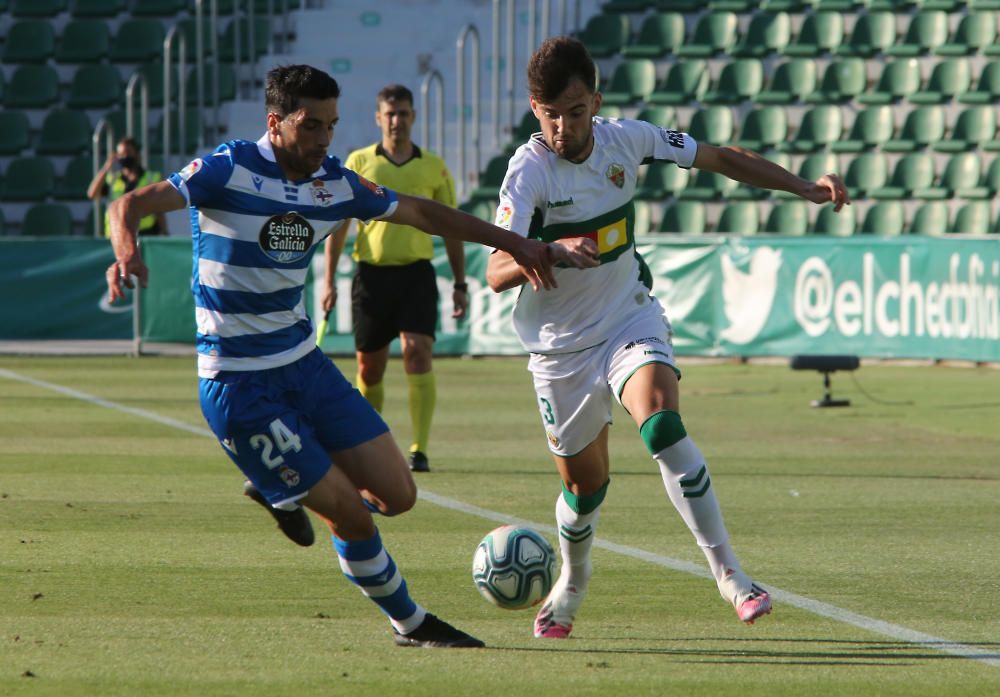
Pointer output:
816, 607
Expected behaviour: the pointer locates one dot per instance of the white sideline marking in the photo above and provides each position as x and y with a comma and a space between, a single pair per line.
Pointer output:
816, 607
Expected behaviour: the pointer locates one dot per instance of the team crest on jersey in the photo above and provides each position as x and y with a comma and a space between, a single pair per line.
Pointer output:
320, 195
192, 168
616, 173
504, 216
553, 438
371, 186
287, 237
289, 476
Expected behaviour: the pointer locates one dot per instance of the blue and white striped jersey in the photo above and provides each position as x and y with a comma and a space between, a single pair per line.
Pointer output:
254, 234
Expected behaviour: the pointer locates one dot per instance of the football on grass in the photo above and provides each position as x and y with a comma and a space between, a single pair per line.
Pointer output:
514, 567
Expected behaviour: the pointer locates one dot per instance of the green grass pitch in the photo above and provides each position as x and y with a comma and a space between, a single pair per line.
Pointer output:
131, 565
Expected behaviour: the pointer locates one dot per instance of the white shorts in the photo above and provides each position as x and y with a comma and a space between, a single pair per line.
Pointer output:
575, 390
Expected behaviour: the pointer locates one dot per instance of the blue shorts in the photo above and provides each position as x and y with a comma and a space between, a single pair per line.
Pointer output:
280, 425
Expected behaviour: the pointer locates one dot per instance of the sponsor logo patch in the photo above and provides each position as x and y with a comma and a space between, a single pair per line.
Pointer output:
371, 186
672, 138
286, 238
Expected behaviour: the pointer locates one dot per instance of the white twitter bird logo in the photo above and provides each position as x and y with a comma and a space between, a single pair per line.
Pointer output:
747, 297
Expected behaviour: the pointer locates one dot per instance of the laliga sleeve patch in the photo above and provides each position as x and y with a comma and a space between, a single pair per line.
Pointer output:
504, 215
192, 168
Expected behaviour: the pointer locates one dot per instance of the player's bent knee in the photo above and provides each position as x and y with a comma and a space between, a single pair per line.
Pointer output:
661, 430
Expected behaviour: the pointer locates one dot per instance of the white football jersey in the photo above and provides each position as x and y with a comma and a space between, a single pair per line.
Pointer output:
547, 197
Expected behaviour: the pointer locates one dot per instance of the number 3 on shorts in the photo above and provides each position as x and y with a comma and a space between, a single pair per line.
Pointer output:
282, 437
547, 414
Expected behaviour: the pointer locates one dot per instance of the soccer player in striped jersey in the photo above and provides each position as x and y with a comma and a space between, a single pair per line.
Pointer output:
301, 434
601, 336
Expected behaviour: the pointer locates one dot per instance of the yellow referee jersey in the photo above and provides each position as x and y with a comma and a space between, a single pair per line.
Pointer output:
425, 174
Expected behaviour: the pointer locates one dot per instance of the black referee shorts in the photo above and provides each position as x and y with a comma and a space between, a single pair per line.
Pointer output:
387, 300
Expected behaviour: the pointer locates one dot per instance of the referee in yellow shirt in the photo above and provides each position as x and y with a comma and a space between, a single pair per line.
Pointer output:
394, 292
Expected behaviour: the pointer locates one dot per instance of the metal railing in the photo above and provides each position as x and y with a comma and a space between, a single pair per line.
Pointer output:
468, 31
168, 43
433, 77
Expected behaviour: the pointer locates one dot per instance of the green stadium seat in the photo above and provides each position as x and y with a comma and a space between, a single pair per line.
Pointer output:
227, 83
659, 34
949, 78
713, 33
739, 218
528, 126
867, 172
684, 217
15, 132
987, 88
873, 33
812, 167
930, 218
684, 82
922, 127
913, 177
662, 180
901, 6
484, 210
872, 127
820, 32
791, 81
712, 124
978, 5
491, 179
899, 79
838, 5
884, 218
972, 218
95, 86
740, 79
708, 186
186, 27
842, 81
47, 220
663, 116
65, 132
29, 41
962, 177
84, 41
605, 34
72, 186
975, 32
768, 32
632, 81
821, 126
927, 30
138, 41
835, 224
116, 119
153, 74
98, 8
789, 218
32, 87
161, 8
29, 179
764, 128
193, 125
628, 5
610, 112
3, 220
785, 5
227, 45
975, 127
38, 8
739, 6
3, 82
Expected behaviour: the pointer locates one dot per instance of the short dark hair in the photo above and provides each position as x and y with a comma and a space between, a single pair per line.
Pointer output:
556, 62
287, 85
394, 93
129, 142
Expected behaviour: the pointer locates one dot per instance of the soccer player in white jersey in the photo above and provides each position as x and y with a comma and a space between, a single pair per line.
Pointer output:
600, 335
281, 410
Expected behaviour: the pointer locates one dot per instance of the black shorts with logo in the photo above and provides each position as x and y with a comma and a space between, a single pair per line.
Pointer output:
387, 300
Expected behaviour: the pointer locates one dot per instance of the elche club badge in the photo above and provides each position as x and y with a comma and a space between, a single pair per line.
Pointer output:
616, 174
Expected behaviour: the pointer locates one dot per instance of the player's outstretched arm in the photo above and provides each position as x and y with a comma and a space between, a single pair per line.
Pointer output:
534, 257
503, 273
124, 215
749, 167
